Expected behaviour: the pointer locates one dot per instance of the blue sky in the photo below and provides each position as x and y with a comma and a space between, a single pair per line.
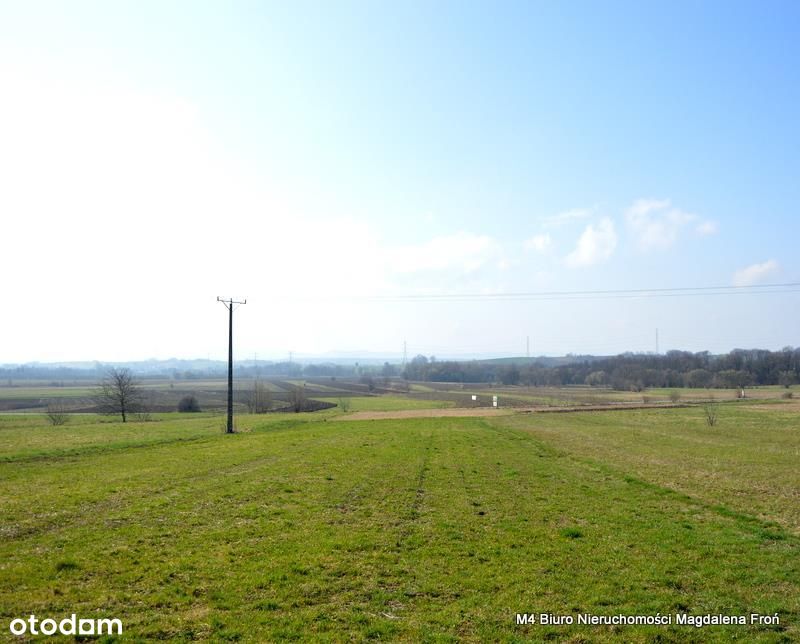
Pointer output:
305, 154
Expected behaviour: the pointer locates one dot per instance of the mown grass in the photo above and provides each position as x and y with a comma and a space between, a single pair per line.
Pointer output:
305, 528
28, 436
747, 461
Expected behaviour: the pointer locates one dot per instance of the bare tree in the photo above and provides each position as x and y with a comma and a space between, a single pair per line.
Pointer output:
119, 393
57, 413
259, 398
297, 397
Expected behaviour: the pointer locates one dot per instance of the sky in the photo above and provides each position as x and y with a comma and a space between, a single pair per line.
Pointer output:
327, 160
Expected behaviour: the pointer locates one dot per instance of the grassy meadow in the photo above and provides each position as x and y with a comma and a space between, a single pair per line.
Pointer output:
301, 527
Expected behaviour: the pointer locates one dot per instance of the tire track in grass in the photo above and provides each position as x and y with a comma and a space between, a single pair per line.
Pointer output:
408, 526
397, 574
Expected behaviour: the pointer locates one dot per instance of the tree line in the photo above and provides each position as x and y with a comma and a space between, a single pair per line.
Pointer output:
737, 369
628, 371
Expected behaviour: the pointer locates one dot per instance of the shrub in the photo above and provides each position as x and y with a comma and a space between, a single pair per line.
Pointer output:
674, 396
786, 394
57, 414
711, 410
188, 404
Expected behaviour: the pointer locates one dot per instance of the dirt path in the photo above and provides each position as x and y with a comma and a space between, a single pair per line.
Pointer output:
503, 411
428, 413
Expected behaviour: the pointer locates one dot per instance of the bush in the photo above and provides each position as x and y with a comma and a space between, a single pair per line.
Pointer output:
786, 395
674, 396
188, 404
711, 410
57, 414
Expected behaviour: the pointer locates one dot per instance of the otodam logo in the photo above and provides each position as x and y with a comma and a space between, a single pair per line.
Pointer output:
71, 625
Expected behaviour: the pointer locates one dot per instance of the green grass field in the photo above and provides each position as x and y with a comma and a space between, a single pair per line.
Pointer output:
437, 529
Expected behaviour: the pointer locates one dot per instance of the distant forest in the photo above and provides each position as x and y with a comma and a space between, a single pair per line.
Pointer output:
739, 368
629, 371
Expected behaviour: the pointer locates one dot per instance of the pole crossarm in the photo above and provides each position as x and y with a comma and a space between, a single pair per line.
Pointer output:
229, 301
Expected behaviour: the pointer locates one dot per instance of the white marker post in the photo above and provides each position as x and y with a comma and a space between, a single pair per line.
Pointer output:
494, 401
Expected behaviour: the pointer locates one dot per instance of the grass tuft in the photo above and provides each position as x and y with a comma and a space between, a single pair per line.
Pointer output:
67, 564
571, 533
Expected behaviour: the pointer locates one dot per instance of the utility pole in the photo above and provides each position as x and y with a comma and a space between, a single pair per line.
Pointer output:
528, 347
229, 304
656, 340
405, 353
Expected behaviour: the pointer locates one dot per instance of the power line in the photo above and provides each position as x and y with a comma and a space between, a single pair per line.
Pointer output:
786, 287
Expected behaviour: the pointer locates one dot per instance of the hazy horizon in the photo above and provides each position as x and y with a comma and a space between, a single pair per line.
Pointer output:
368, 357
321, 159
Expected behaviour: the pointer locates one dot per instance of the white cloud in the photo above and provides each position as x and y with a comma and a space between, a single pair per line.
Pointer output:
656, 223
595, 245
463, 252
538, 243
706, 228
755, 273
568, 216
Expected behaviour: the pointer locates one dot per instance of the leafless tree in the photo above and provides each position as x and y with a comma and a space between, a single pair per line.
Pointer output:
57, 413
119, 393
297, 397
259, 398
